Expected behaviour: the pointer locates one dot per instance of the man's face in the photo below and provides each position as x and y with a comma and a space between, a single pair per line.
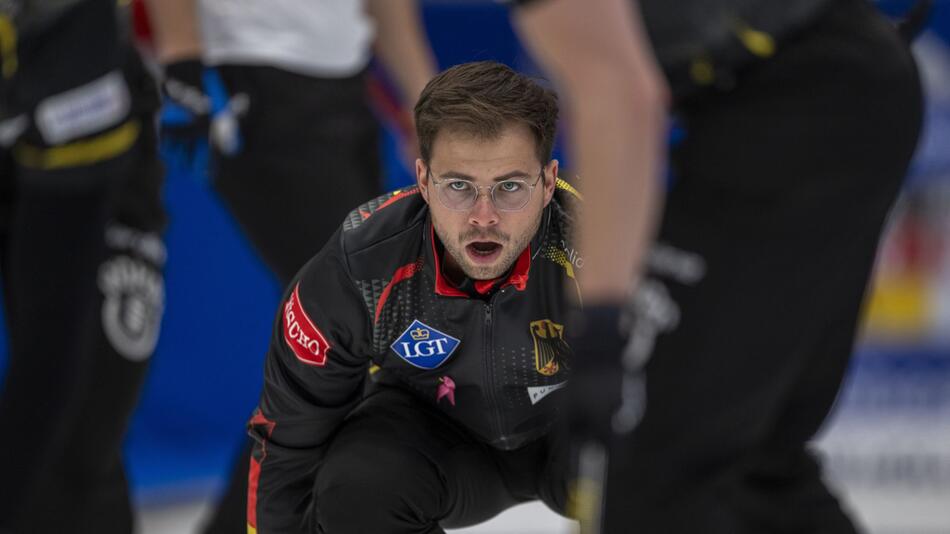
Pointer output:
483, 241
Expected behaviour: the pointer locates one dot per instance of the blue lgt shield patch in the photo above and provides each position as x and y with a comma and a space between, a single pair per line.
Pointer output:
423, 346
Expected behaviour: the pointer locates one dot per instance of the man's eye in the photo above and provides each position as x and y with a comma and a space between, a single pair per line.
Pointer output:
510, 187
459, 185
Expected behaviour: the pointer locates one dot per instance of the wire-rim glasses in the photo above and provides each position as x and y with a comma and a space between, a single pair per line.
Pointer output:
458, 194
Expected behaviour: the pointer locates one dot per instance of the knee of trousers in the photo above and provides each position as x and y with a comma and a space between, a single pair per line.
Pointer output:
378, 489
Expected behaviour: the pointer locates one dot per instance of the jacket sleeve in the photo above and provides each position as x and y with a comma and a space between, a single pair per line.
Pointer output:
313, 376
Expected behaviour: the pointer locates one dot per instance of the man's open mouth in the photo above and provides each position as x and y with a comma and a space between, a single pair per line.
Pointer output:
483, 250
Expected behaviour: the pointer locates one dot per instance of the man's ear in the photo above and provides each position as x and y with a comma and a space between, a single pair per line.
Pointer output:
422, 179
550, 179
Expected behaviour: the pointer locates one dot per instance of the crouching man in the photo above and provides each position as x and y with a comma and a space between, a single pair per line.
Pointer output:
412, 377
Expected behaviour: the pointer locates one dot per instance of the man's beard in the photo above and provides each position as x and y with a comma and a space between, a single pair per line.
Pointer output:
511, 249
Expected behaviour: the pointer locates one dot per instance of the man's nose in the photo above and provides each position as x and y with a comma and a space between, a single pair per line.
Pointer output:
483, 212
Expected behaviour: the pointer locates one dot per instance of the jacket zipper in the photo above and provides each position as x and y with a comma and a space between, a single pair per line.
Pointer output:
496, 416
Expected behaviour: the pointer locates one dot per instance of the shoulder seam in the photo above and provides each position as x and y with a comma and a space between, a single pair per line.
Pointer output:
345, 259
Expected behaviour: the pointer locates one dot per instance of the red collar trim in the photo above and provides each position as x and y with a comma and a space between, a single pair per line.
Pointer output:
484, 286
442, 286
518, 277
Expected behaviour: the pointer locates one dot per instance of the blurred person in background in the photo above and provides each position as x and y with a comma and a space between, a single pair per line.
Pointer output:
81, 258
700, 381
451, 294
280, 89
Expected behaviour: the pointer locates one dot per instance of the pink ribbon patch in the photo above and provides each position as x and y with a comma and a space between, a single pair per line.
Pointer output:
446, 389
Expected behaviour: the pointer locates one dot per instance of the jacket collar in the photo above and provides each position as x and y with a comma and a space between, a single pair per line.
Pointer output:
516, 277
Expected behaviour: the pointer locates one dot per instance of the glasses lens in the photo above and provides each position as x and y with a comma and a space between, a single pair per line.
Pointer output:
457, 194
511, 195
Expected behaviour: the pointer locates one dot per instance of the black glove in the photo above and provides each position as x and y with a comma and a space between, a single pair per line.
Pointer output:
605, 401
597, 342
197, 110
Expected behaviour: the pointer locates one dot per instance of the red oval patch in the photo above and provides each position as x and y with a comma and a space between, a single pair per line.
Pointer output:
301, 335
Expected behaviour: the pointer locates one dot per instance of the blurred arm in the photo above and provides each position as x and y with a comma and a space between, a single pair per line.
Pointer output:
175, 26
599, 55
402, 45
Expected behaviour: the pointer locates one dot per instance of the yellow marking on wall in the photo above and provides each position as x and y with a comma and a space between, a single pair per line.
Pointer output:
899, 308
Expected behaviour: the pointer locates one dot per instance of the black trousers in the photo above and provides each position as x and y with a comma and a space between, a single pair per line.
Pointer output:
310, 156
81, 259
398, 466
745, 322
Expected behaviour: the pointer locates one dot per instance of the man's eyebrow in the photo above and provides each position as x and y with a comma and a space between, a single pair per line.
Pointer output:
462, 176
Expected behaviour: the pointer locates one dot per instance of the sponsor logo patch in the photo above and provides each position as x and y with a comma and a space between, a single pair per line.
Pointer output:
301, 335
95, 106
537, 393
550, 349
423, 346
133, 301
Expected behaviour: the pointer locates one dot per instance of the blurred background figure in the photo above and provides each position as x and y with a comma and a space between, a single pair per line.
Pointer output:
81, 258
279, 91
740, 321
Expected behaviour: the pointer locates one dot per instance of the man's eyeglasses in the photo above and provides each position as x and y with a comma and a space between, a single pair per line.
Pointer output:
508, 195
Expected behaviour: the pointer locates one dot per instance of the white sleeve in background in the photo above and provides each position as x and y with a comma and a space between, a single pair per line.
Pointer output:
327, 38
